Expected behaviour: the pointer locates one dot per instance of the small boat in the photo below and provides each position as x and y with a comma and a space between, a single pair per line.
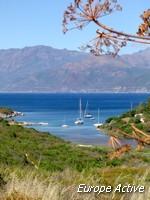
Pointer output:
98, 124
92, 118
86, 113
43, 123
80, 121
64, 124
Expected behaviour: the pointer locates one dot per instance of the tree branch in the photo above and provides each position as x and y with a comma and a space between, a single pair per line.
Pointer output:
120, 33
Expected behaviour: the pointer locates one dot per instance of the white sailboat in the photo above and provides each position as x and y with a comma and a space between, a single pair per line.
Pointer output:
79, 121
65, 125
92, 118
98, 124
86, 113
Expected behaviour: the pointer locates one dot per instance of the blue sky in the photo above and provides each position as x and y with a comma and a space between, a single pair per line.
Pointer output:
38, 22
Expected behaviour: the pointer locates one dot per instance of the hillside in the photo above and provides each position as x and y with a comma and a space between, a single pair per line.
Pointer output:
45, 69
36, 166
134, 124
49, 152
21, 146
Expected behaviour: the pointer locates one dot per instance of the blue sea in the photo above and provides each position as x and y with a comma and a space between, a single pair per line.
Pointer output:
57, 109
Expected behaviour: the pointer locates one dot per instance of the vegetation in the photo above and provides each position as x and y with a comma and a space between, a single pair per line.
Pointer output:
35, 165
6, 111
27, 147
33, 185
133, 116
133, 124
108, 40
46, 151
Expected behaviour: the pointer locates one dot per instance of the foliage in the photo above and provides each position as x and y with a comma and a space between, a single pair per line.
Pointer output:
6, 111
136, 120
108, 40
46, 151
110, 119
127, 128
147, 126
140, 126
145, 26
129, 114
133, 124
27, 184
61, 166
27, 147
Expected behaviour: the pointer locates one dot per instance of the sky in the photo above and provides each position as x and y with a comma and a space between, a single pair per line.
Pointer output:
39, 22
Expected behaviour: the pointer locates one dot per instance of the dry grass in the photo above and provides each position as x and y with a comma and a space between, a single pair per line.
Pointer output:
29, 186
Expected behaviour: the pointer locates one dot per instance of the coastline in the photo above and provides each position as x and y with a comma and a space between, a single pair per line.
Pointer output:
46, 112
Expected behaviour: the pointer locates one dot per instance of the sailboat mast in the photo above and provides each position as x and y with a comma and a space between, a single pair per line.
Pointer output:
80, 108
64, 119
86, 108
98, 116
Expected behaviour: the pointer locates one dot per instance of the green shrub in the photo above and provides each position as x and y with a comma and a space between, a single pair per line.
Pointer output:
137, 120
115, 162
6, 111
127, 129
147, 126
140, 126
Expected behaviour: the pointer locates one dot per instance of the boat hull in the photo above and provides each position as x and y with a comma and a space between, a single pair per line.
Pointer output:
65, 126
79, 122
98, 125
88, 116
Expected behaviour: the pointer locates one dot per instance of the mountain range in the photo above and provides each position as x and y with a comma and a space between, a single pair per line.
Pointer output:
46, 69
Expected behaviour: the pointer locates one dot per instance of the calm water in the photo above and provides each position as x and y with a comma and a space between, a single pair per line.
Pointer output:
57, 108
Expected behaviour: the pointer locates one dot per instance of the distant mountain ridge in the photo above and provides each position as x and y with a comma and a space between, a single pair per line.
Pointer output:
46, 69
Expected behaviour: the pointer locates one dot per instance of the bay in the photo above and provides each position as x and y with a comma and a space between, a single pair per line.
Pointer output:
54, 109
